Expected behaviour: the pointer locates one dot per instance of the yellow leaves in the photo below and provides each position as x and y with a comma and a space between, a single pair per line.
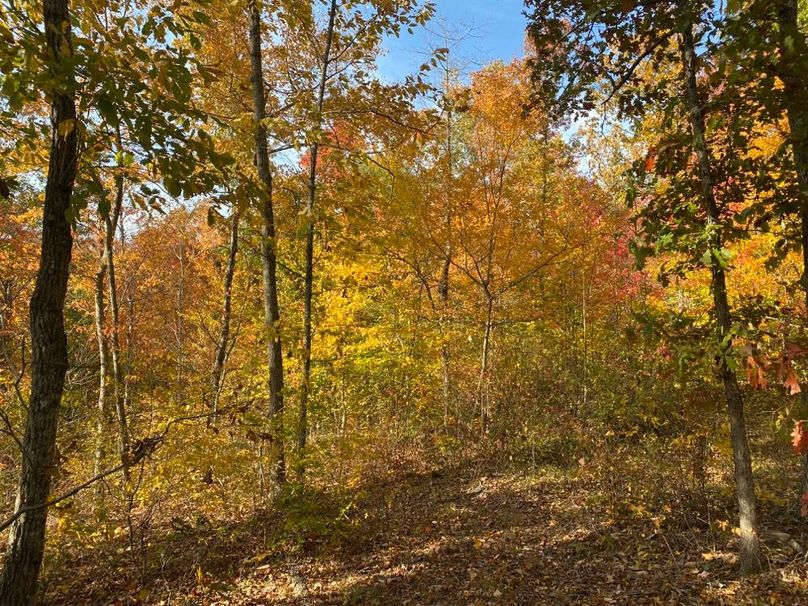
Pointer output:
724, 446
499, 94
61, 524
6, 34
65, 127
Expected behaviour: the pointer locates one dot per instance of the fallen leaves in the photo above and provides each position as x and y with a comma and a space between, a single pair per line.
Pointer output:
522, 540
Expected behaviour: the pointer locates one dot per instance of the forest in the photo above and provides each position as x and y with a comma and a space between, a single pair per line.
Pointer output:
280, 327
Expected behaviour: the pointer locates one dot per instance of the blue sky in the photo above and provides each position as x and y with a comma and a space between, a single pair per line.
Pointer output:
490, 29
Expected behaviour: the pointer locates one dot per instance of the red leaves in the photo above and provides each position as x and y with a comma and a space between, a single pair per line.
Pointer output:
791, 383
756, 367
799, 441
755, 374
650, 161
787, 376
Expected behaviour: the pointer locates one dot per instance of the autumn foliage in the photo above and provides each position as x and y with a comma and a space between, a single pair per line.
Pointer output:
494, 334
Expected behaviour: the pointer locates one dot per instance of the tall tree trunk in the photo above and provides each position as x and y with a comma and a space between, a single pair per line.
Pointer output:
443, 284
585, 346
750, 557
482, 386
103, 363
48, 337
107, 267
130, 330
111, 223
443, 292
792, 69
217, 374
179, 324
302, 427
268, 251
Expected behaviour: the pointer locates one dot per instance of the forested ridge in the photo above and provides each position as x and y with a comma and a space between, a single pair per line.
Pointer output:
277, 327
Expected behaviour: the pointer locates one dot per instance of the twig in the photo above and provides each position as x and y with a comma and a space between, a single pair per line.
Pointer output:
11, 432
142, 449
20, 512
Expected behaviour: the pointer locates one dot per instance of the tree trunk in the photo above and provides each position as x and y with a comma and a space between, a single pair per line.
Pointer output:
111, 223
179, 323
443, 285
217, 374
482, 395
792, 69
103, 364
48, 337
268, 252
584, 347
302, 427
443, 292
750, 557
130, 330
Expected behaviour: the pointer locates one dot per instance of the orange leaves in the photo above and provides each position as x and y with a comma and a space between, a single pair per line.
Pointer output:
650, 161
755, 374
790, 381
786, 375
756, 367
799, 440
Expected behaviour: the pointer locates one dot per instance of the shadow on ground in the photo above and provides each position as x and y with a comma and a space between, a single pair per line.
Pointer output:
458, 535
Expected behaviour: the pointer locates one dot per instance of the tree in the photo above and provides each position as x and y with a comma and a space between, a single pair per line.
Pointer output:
49, 340
308, 281
751, 558
72, 60
223, 342
351, 41
610, 51
268, 249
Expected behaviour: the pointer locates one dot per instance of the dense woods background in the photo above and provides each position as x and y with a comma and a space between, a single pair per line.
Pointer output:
529, 333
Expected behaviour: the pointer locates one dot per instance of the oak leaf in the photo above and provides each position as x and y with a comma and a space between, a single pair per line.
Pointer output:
791, 383
799, 440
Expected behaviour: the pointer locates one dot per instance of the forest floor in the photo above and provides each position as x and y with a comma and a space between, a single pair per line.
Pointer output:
470, 533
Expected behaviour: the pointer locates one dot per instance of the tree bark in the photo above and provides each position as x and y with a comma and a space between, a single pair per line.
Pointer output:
103, 363
445, 356
443, 284
106, 266
111, 224
268, 251
131, 285
48, 337
482, 395
792, 70
217, 374
751, 560
302, 427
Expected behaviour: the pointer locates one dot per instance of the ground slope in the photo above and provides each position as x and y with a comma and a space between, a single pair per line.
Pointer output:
466, 534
